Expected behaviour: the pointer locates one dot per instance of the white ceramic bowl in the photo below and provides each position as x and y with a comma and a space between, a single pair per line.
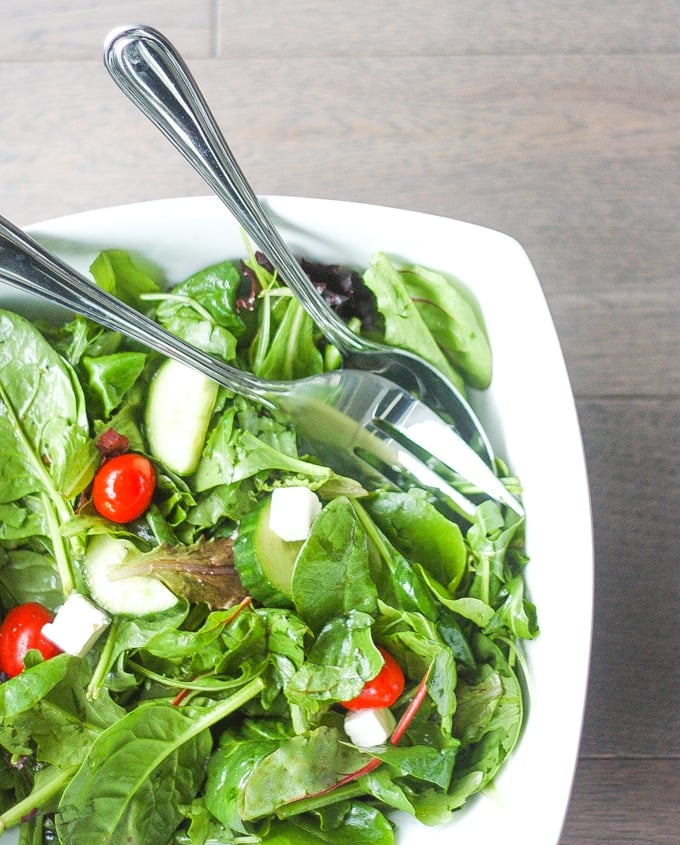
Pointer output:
528, 411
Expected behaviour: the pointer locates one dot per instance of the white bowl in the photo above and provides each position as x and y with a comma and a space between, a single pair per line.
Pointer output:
529, 413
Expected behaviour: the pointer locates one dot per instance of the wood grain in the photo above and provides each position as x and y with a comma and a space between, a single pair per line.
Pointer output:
74, 30
556, 121
624, 802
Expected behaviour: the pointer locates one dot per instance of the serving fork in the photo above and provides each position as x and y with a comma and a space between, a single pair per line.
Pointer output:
358, 422
151, 72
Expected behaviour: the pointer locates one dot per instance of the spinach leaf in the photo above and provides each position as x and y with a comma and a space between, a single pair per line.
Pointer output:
229, 768
454, 320
342, 658
111, 376
490, 713
421, 533
45, 444
302, 765
214, 289
142, 772
404, 326
115, 271
332, 573
357, 822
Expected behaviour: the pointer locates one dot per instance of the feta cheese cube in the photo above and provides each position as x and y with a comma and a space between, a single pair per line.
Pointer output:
292, 512
369, 727
76, 626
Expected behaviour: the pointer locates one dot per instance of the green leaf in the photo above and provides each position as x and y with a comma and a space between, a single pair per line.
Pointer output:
454, 320
138, 775
115, 271
404, 326
111, 376
229, 768
421, 533
43, 419
332, 574
292, 353
301, 766
341, 660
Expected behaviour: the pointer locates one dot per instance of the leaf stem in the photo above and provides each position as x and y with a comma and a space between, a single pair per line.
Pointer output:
102, 668
339, 788
37, 798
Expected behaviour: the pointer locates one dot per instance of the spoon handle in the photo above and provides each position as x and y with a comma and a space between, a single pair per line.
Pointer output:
148, 69
27, 265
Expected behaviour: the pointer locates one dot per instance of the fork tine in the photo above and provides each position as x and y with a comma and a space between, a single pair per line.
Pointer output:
409, 469
420, 434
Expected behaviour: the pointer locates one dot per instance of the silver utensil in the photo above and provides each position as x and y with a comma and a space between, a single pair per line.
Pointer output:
150, 71
363, 425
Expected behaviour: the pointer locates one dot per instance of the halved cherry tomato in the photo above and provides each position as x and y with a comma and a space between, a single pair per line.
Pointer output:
383, 690
123, 487
20, 632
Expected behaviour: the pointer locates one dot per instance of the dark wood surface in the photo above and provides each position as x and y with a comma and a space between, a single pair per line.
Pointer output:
557, 122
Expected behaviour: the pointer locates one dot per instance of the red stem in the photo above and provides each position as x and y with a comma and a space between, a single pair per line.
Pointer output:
182, 694
397, 733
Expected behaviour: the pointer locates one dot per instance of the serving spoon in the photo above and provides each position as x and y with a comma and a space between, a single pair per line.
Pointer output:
359, 423
151, 72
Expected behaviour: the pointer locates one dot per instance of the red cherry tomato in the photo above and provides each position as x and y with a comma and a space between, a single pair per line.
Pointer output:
123, 487
383, 690
20, 632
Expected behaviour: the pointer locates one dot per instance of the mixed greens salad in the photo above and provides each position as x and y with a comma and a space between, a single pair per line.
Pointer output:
210, 702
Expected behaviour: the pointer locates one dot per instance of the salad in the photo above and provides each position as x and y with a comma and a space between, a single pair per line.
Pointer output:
208, 636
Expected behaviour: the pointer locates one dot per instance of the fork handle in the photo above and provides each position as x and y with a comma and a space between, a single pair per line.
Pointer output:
27, 265
150, 71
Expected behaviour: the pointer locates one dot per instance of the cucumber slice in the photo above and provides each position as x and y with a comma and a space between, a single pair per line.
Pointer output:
134, 596
178, 411
263, 560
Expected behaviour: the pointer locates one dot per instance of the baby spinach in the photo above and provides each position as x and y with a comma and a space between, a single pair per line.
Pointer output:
454, 321
404, 326
141, 772
46, 447
332, 574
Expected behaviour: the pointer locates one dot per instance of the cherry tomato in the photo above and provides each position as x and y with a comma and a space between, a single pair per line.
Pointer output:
20, 632
383, 690
123, 487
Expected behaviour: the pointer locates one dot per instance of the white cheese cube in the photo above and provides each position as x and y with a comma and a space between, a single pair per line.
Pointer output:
292, 512
369, 727
76, 626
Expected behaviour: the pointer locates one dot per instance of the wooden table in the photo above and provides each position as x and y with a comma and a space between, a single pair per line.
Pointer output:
556, 122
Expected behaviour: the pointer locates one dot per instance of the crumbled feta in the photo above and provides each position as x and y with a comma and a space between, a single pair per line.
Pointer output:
369, 727
76, 626
292, 512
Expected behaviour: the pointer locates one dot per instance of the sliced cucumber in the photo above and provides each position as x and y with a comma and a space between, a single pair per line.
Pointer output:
134, 596
178, 411
264, 561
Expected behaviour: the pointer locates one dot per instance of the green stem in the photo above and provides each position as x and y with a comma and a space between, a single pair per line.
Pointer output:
102, 668
37, 798
225, 708
58, 547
